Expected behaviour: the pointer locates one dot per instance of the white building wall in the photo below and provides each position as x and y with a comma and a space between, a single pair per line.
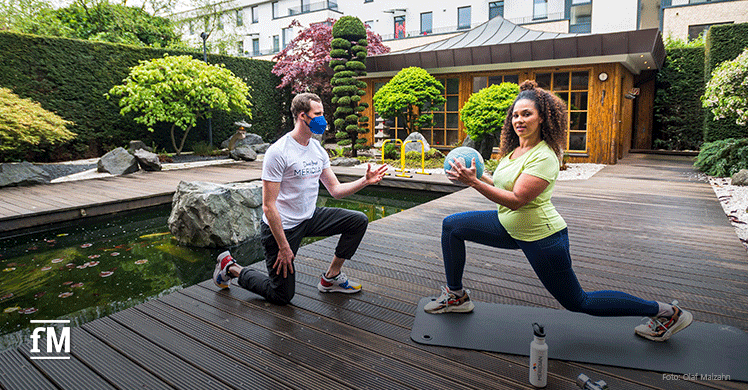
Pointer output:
614, 15
676, 20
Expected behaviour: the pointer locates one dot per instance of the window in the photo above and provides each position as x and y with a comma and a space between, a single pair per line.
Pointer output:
694, 31
426, 18
572, 87
220, 22
368, 1
287, 33
540, 9
255, 15
256, 47
495, 8
305, 6
239, 18
276, 44
481, 82
463, 17
240, 47
276, 10
581, 18
399, 27
192, 28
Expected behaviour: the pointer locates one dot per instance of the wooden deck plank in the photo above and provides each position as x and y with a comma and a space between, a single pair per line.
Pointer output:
69, 374
19, 373
158, 361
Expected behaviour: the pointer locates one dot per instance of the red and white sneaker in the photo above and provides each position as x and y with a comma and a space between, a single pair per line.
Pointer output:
221, 276
662, 328
449, 302
339, 284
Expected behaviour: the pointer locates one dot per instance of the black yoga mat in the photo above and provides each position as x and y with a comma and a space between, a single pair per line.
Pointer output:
701, 349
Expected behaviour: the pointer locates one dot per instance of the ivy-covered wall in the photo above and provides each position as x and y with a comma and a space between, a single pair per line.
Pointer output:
679, 116
70, 77
723, 43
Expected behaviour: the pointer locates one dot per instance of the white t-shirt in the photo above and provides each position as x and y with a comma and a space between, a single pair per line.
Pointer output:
298, 169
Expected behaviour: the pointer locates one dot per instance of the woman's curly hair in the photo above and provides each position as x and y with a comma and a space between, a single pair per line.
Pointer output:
552, 111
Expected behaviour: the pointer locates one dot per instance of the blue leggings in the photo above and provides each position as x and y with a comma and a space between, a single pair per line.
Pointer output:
549, 257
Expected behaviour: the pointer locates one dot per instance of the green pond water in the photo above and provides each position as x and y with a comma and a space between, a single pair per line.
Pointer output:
89, 269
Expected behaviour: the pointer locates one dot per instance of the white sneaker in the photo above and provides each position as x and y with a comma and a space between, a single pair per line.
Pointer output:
449, 302
221, 276
339, 283
662, 328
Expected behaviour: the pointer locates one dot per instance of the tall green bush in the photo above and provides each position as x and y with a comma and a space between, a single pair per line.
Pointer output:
678, 114
70, 77
723, 157
723, 43
348, 52
484, 113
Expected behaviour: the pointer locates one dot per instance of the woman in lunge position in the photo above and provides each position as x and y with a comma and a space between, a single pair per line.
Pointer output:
531, 142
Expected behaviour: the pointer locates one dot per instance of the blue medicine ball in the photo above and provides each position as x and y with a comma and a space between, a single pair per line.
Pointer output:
465, 155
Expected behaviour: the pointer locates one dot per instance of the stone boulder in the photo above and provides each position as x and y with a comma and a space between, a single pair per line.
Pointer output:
244, 152
249, 139
137, 145
148, 161
216, 215
740, 178
118, 162
416, 146
260, 148
22, 174
344, 162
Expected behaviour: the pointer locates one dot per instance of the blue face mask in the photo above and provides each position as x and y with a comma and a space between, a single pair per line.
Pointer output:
318, 124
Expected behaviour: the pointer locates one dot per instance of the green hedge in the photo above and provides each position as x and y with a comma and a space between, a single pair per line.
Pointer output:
723, 43
679, 116
70, 77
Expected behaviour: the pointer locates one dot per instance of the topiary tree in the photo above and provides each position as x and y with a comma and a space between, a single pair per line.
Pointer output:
484, 114
180, 90
25, 124
726, 94
348, 54
410, 94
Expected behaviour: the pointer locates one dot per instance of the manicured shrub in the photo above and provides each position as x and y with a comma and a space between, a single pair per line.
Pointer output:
726, 93
724, 157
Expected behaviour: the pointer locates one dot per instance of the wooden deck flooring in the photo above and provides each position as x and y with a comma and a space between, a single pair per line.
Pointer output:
642, 226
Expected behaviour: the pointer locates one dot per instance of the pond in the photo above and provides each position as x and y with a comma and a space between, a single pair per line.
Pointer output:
84, 270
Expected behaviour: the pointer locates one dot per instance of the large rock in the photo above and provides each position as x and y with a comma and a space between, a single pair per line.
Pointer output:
148, 161
260, 148
740, 178
416, 146
249, 139
137, 145
118, 162
22, 174
216, 215
244, 152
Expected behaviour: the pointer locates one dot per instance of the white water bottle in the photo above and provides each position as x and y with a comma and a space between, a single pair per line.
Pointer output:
538, 357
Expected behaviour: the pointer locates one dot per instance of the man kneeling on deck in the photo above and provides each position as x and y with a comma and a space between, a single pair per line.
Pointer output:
291, 171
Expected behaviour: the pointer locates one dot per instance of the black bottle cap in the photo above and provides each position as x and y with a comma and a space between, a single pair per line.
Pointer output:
538, 330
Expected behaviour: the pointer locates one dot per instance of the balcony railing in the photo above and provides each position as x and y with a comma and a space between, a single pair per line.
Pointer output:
306, 8
532, 18
434, 31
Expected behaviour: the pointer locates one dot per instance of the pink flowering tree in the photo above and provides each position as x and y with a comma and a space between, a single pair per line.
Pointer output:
303, 64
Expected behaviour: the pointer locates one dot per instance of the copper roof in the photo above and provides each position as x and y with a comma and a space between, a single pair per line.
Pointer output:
500, 44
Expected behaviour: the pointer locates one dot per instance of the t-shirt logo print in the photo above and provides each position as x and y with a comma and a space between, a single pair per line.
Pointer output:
309, 168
